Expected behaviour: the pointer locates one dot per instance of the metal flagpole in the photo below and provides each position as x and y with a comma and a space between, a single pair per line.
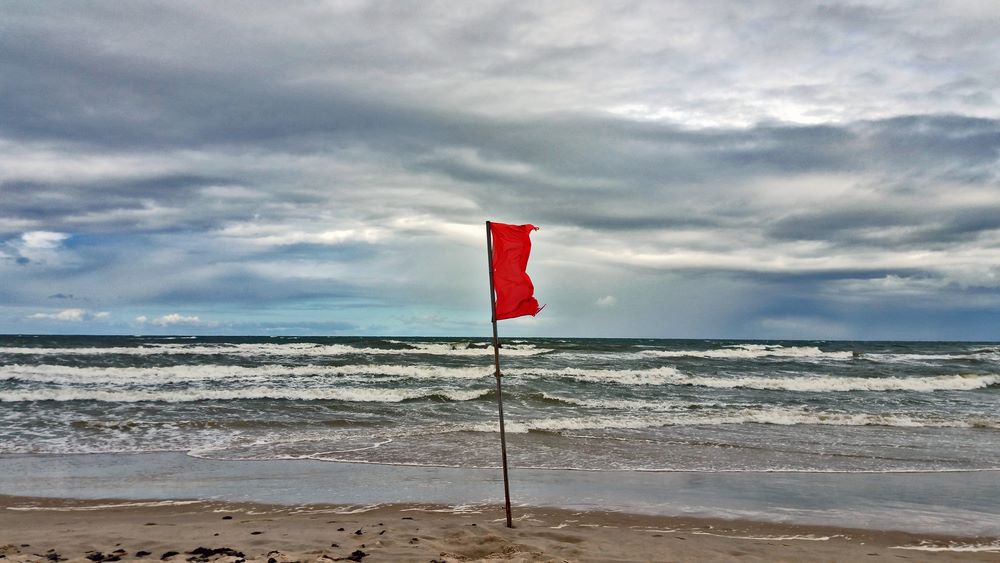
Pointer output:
496, 359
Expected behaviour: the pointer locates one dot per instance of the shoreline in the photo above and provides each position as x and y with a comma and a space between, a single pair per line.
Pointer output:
966, 504
74, 529
518, 468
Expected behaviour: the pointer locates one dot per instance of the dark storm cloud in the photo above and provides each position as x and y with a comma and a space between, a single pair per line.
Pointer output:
619, 158
889, 229
247, 288
66, 203
916, 142
639, 189
69, 88
819, 225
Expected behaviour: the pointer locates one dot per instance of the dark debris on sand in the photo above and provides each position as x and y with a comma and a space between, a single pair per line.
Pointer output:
357, 555
200, 554
100, 557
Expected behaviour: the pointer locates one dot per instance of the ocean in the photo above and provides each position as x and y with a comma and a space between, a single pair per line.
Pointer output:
641, 405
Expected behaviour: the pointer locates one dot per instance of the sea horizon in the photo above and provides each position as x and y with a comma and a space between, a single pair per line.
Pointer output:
502, 337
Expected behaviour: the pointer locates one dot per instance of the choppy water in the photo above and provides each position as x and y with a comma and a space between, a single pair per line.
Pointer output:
570, 403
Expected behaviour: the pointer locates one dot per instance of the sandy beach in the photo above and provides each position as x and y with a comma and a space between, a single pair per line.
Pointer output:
37, 529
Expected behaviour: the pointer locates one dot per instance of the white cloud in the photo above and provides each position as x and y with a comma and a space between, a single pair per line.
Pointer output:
607, 301
74, 315
70, 315
42, 239
38, 247
285, 235
174, 319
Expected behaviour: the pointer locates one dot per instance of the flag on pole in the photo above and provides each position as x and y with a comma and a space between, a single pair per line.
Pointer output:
514, 290
511, 295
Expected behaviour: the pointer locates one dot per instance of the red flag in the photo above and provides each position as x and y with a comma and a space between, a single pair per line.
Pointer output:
514, 290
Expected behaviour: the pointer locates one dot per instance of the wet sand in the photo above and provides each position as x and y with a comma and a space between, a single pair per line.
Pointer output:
959, 504
45, 529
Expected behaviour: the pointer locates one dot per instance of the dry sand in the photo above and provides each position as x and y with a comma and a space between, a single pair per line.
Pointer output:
35, 529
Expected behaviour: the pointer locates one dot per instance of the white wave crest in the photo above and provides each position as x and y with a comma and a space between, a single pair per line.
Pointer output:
294, 349
806, 537
784, 416
824, 383
818, 383
71, 375
357, 395
467, 349
628, 404
991, 547
654, 376
91, 507
745, 351
567, 423
931, 359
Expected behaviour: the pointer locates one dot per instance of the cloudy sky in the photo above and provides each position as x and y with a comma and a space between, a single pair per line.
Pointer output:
765, 169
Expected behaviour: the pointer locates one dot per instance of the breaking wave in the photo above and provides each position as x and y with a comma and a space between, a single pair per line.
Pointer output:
296, 349
746, 351
70, 375
819, 383
824, 383
353, 395
952, 546
784, 416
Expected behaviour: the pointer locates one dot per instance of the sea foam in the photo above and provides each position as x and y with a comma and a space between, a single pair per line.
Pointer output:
960, 547
294, 349
783, 416
664, 375
825, 383
359, 395
815, 384
48, 373
749, 351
